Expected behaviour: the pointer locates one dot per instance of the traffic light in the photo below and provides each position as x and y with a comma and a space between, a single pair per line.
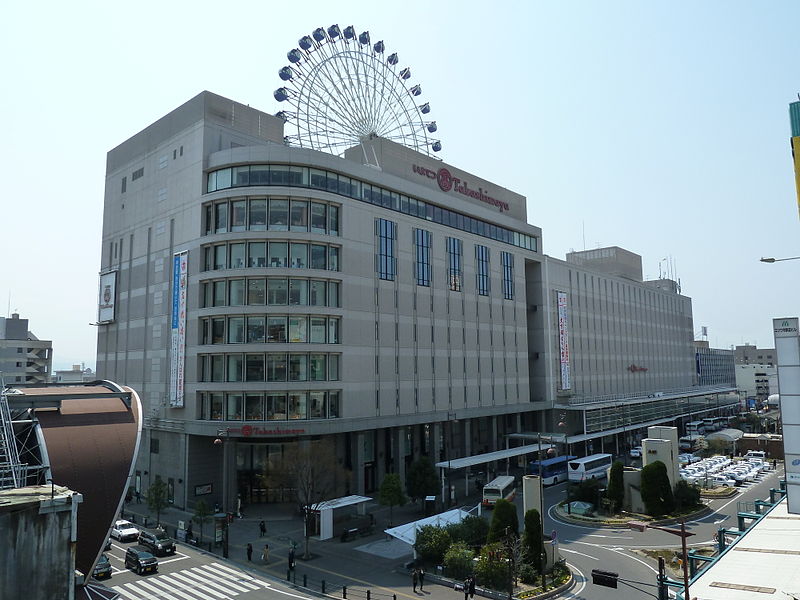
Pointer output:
604, 578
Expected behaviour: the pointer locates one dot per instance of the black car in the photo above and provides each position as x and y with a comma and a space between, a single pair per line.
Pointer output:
140, 560
102, 568
158, 542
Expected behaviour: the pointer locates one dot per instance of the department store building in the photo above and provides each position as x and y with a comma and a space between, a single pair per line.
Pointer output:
259, 296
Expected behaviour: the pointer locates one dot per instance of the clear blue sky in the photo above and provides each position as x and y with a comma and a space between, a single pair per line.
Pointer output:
661, 127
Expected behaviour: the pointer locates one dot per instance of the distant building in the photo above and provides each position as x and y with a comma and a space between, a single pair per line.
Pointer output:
24, 358
748, 355
757, 381
714, 366
77, 374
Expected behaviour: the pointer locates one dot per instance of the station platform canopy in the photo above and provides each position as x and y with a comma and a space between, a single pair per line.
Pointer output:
487, 457
726, 435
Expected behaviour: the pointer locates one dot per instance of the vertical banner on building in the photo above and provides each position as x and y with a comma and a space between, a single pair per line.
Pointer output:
563, 339
787, 349
107, 297
180, 263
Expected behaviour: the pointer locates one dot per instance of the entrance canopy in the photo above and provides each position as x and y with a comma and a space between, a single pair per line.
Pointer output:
487, 457
408, 533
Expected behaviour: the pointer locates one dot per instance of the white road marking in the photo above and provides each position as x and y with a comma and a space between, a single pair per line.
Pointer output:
194, 583
236, 585
159, 589
576, 552
122, 591
241, 574
233, 576
581, 585
134, 586
615, 537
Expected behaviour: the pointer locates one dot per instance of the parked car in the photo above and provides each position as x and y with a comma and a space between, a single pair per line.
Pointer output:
103, 568
636, 452
722, 480
124, 531
158, 542
755, 454
140, 560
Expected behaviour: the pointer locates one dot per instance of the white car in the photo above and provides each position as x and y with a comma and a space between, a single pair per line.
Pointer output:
124, 531
636, 452
722, 480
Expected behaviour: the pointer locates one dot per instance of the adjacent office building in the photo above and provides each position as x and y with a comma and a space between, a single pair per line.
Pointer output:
24, 358
263, 296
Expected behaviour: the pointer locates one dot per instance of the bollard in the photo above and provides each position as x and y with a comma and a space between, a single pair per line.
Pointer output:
394, 596
368, 594
344, 591
305, 580
323, 586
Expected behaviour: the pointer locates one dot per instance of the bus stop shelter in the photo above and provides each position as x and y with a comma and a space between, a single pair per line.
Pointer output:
326, 510
485, 458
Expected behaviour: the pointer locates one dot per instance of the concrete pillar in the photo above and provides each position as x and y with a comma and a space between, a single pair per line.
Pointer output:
380, 459
436, 441
359, 463
493, 434
467, 437
518, 424
399, 449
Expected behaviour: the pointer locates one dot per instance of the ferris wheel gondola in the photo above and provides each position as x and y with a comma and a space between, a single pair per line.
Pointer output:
342, 89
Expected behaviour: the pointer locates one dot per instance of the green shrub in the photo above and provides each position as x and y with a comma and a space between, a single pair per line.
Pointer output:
458, 561
472, 531
585, 491
616, 487
504, 521
492, 568
532, 538
686, 496
528, 574
432, 542
656, 490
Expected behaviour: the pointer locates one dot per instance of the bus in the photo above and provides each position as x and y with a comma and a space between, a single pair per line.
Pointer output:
499, 487
691, 443
695, 428
553, 469
589, 467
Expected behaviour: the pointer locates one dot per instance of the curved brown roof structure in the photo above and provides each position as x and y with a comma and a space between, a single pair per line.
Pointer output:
91, 436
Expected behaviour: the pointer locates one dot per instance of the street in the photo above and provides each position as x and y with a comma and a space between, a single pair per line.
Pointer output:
586, 548
191, 575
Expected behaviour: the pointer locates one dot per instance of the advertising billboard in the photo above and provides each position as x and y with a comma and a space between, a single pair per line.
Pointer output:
180, 268
563, 339
107, 297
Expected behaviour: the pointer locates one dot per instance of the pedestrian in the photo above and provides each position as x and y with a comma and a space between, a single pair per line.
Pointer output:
189, 532
466, 588
262, 529
421, 578
249, 552
414, 578
291, 558
774, 464
138, 497
265, 553
472, 586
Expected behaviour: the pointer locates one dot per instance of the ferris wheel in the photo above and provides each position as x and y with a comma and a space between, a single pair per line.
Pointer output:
342, 89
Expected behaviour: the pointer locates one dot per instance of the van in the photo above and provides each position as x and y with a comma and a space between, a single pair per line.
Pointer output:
755, 454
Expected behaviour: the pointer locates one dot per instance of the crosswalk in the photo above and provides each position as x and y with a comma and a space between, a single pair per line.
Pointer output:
213, 581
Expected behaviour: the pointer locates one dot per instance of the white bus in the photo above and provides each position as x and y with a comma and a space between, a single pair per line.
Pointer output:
499, 487
695, 428
589, 467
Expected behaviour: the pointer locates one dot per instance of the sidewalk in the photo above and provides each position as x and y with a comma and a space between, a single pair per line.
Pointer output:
375, 562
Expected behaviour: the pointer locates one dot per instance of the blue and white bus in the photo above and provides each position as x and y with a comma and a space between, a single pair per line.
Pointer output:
553, 469
589, 467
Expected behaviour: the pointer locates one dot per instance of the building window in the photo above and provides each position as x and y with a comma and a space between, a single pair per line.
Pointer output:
137, 174
508, 275
482, 269
455, 273
422, 257
124, 184
386, 261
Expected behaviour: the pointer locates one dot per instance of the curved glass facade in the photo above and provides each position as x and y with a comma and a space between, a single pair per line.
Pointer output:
335, 183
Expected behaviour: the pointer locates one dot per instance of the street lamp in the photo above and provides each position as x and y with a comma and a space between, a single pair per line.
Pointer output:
772, 260
222, 440
641, 526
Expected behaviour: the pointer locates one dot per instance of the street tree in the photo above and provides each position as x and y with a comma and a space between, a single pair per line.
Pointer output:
391, 493
157, 498
532, 537
314, 473
504, 521
656, 490
202, 514
421, 479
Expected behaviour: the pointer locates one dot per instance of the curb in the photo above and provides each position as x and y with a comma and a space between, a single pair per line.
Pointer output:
559, 516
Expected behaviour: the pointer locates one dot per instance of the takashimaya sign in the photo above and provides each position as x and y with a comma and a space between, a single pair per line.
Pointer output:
448, 183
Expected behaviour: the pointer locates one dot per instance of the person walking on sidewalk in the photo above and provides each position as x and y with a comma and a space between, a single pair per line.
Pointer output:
262, 529
414, 578
265, 553
421, 578
291, 558
471, 586
249, 552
